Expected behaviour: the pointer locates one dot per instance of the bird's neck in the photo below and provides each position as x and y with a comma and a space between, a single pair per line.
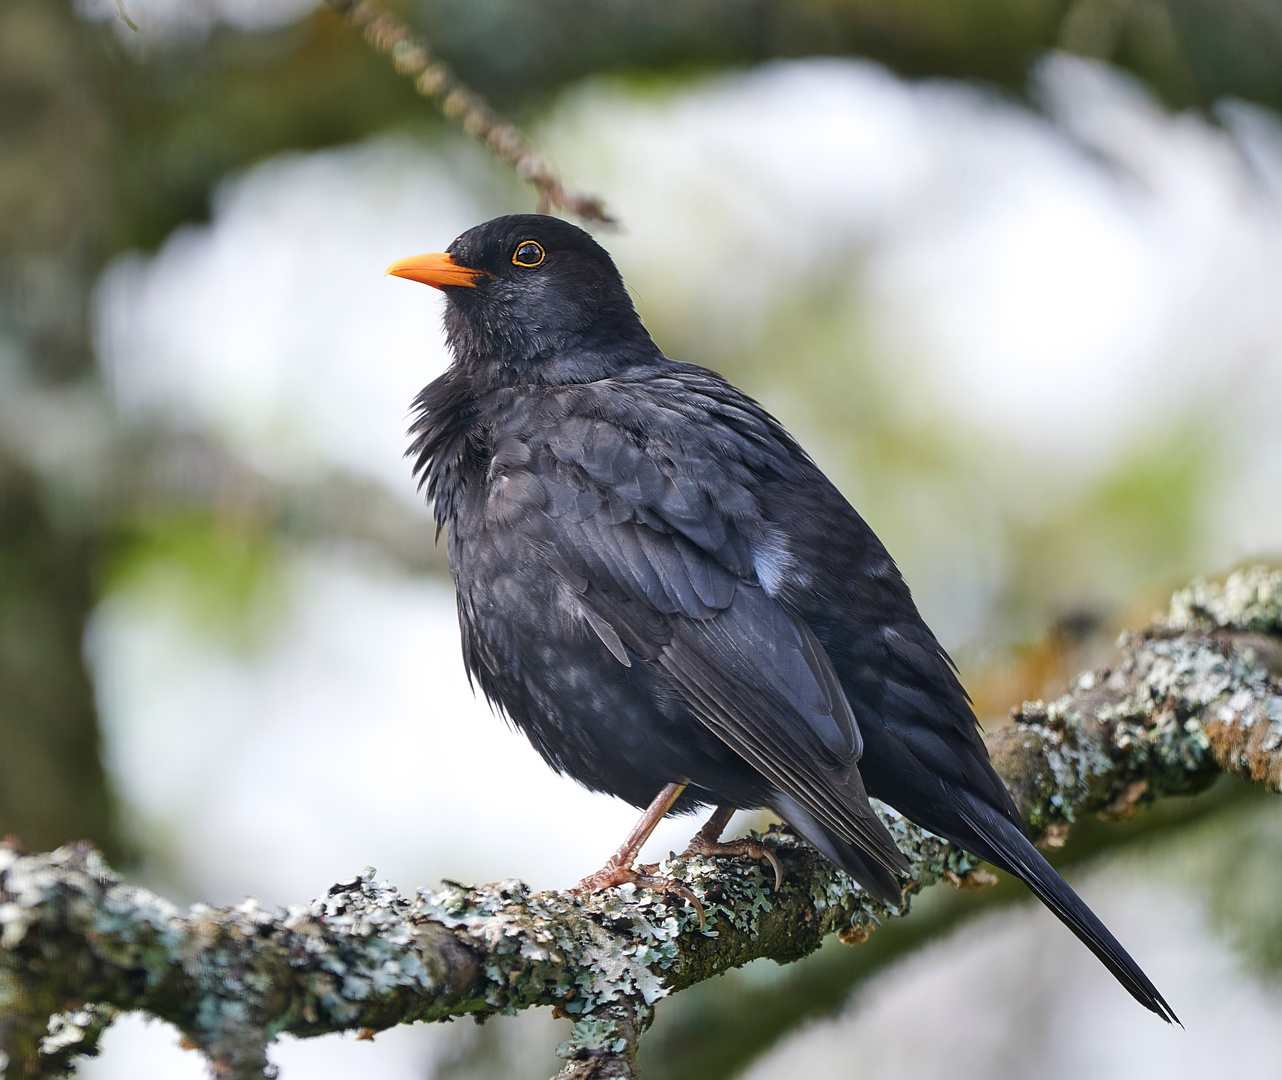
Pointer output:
502, 354
448, 440
453, 414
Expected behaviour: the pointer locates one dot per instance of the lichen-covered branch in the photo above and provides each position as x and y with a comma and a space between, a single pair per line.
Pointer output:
1198, 692
437, 81
1195, 694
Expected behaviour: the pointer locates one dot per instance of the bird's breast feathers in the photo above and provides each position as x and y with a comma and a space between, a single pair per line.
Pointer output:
680, 500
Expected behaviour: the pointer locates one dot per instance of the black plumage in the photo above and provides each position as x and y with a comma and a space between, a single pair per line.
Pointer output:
658, 586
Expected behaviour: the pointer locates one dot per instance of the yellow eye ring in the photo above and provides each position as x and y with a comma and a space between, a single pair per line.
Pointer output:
528, 253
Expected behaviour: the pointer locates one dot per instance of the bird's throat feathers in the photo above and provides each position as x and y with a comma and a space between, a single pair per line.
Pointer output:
445, 440
578, 346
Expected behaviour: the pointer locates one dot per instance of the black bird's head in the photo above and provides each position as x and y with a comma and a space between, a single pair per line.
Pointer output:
534, 295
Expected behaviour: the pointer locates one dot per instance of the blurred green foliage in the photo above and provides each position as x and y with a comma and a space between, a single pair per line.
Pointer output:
1235, 863
194, 113
221, 574
1191, 52
1130, 535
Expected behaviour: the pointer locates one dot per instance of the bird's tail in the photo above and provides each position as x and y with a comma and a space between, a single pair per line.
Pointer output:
1009, 849
875, 879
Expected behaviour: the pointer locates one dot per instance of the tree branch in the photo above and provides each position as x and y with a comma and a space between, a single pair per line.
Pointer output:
1198, 692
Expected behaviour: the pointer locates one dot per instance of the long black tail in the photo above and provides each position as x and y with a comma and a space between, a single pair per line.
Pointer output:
1009, 849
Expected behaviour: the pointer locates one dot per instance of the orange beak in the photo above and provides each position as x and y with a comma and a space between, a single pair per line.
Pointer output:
437, 270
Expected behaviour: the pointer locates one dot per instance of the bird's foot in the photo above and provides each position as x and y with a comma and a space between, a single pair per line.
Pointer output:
614, 874
753, 848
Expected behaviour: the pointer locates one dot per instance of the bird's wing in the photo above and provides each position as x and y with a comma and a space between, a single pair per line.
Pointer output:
663, 566
751, 673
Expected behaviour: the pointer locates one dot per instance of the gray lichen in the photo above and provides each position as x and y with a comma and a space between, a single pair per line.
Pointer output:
1196, 693
1248, 600
75, 1033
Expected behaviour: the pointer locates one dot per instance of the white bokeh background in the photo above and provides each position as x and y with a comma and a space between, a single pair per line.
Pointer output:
159, 22
1064, 285
1013, 996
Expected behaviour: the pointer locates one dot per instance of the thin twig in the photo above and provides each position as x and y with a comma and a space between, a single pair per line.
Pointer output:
124, 16
436, 80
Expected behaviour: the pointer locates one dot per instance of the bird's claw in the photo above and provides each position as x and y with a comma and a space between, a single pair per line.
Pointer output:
614, 874
750, 846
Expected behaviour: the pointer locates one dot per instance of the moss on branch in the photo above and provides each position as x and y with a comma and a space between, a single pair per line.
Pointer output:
1196, 693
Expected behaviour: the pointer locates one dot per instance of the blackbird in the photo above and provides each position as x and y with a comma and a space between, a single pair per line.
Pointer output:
666, 595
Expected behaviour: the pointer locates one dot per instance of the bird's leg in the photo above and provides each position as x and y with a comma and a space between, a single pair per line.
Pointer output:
711, 831
619, 870
707, 841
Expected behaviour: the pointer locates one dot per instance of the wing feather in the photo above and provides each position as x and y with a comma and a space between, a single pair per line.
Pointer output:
771, 705
663, 572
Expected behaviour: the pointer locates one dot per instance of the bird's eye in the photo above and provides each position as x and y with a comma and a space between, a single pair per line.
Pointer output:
528, 253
